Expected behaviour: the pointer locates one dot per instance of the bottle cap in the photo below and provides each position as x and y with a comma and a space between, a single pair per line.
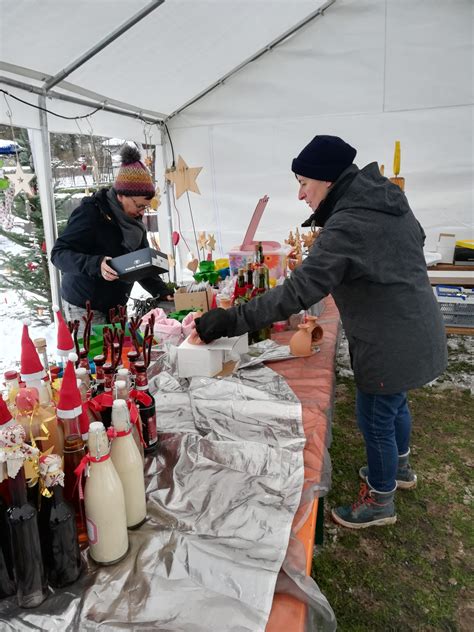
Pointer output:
10, 375
81, 371
96, 426
39, 342
123, 372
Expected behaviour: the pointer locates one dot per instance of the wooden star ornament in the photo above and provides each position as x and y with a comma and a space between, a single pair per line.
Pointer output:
21, 180
184, 178
211, 242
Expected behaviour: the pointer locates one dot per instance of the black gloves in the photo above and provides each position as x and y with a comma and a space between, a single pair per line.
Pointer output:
213, 324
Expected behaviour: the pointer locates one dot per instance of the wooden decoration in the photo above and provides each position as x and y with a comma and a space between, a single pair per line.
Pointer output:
398, 180
184, 178
21, 180
192, 265
211, 242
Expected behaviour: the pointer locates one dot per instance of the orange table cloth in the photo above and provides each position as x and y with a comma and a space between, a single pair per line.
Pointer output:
312, 379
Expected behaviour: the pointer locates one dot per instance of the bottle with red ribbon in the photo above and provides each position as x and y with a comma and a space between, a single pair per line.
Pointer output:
69, 411
128, 463
57, 525
146, 407
104, 500
30, 577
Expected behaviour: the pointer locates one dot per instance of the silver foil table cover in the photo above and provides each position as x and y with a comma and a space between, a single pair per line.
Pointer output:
222, 494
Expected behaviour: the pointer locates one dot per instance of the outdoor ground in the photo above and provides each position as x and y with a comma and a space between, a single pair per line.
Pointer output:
419, 573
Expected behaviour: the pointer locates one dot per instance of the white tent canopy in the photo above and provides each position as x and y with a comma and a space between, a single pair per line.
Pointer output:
370, 71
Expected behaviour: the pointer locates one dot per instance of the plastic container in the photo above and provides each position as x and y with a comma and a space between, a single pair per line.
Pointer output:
456, 304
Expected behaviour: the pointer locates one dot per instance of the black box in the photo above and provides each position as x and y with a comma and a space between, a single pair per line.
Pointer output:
140, 264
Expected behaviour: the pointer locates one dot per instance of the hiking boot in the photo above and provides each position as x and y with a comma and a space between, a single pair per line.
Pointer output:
372, 508
405, 477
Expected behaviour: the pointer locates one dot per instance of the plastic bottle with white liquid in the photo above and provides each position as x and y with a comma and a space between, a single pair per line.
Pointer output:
104, 501
129, 465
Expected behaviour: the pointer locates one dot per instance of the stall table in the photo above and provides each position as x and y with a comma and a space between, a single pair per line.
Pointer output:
312, 379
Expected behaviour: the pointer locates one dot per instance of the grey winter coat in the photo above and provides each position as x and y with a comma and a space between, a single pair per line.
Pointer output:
369, 256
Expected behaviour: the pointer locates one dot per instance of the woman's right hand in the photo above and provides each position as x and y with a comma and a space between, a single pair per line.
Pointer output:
106, 271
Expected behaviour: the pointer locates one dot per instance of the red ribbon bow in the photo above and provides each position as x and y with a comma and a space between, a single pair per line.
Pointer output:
82, 466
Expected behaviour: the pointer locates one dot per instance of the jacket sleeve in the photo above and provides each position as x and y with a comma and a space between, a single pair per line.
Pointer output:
155, 286
70, 252
323, 270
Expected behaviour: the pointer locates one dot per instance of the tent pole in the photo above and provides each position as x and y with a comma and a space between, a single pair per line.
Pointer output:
40, 148
165, 226
52, 81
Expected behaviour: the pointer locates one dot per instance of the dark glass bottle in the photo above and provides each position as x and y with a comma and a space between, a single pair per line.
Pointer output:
7, 581
240, 288
84, 360
99, 361
106, 415
132, 358
27, 561
147, 412
58, 534
265, 332
74, 451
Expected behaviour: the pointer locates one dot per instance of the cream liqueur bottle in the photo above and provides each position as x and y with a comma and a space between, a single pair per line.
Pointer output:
104, 501
129, 465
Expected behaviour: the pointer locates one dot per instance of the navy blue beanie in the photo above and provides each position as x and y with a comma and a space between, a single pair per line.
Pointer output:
324, 158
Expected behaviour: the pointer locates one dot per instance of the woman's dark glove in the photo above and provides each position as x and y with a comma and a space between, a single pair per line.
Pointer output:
213, 324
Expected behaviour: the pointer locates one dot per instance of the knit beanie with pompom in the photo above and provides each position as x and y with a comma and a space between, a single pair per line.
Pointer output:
133, 177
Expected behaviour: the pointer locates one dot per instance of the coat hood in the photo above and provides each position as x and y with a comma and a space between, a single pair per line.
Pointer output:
370, 190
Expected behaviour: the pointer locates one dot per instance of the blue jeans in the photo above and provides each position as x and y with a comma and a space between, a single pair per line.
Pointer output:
385, 423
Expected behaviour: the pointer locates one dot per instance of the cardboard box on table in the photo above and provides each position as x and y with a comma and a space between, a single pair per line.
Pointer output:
197, 301
208, 360
275, 255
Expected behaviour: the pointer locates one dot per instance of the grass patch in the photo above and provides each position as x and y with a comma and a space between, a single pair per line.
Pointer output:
416, 574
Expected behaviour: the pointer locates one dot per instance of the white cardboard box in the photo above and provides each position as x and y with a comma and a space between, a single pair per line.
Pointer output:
446, 245
207, 360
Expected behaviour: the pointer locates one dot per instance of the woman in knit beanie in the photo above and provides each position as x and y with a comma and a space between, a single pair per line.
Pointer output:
106, 225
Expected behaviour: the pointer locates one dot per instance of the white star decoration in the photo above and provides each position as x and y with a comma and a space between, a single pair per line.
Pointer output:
21, 180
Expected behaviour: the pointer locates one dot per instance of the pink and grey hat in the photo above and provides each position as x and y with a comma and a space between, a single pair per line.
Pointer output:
133, 177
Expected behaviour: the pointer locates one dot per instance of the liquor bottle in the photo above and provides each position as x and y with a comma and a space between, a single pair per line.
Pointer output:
13, 386
6, 420
68, 412
84, 361
240, 288
147, 411
83, 374
7, 578
104, 502
132, 357
108, 385
99, 361
265, 332
123, 393
47, 417
40, 345
30, 577
124, 375
86, 416
129, 465
57, 525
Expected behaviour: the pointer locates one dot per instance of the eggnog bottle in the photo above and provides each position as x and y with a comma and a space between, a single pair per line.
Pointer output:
104, 502
129, 465
122, 392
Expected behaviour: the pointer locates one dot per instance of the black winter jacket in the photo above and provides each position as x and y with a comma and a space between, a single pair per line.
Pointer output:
369, 256
90, 235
